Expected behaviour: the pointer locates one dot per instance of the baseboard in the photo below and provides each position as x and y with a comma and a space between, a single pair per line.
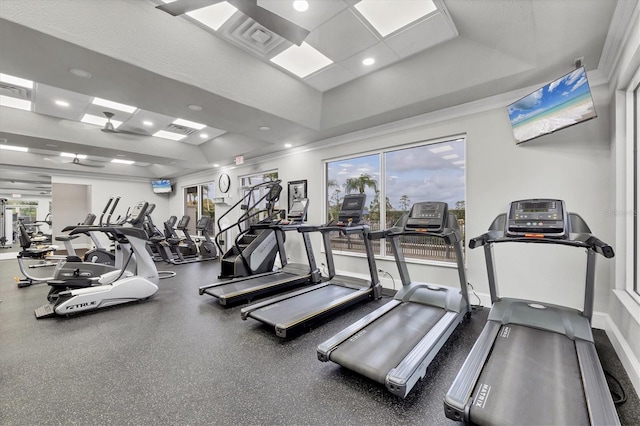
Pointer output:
628, 359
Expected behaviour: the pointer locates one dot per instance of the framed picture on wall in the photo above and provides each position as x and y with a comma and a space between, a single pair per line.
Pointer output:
297, 189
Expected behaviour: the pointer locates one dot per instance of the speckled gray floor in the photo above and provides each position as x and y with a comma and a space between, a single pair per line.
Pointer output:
182, 359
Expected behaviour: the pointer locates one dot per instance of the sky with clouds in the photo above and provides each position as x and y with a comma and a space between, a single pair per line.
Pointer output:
433, 172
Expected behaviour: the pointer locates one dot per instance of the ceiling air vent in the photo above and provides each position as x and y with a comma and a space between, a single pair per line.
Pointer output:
15, 91
252, 36
182, 130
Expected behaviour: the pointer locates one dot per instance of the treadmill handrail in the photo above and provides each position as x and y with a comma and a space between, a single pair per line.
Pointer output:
575, 240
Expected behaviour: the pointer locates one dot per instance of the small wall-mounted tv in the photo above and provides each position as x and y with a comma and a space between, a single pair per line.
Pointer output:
162, 186
560, 104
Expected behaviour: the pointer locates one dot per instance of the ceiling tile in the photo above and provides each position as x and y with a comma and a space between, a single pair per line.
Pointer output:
136, 122
329, 77
342, 37
318, 13
196, 138
44, 102
428, 33
380, 52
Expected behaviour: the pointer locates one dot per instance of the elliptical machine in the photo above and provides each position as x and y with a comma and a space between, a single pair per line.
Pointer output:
100, 253
112, 288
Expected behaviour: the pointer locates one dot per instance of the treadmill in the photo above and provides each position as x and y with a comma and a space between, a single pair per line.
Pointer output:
534, 362
290, 275
293, 311
396, 343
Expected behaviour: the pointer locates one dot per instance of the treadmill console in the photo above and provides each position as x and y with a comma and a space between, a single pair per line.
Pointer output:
428, 216
352, 209
537, 218
298, 210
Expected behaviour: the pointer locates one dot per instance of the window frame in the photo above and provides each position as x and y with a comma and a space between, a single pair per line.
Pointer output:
381, 254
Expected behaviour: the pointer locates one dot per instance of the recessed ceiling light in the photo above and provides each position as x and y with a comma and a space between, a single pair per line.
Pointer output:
113, 105
449, 157
216, 165
80, 73
287, 145
387, 16
264, 128
22, 82
69, 155
204, 135
118, 161
215, 15
441, 149
169, 135
8, 101
147, 123
194, 107
301, 5
187, 123
99, 121
301, 60
368, 61
14, 148
62, 103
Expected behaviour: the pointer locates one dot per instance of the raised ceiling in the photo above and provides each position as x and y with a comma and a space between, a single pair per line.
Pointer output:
141, 56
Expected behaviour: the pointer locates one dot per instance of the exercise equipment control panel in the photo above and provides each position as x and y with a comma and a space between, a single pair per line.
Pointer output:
352, 209
542, 218
429, 216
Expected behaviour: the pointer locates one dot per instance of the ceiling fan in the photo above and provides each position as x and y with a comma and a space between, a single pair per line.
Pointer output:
283, 27
109, 128
77, 162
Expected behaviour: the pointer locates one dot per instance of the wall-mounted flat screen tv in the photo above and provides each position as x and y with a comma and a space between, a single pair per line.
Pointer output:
161, 186
560, 104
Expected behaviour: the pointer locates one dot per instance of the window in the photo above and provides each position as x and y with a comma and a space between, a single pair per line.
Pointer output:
207, 206
393, 180
636, 231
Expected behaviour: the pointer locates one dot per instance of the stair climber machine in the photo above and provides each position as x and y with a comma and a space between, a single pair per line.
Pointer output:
255, 248
294, 311
123, 285
396, 343
535, 362
291, 274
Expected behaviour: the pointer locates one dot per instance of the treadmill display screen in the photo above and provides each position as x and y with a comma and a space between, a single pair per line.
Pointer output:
537, 218
352, 208
428, 216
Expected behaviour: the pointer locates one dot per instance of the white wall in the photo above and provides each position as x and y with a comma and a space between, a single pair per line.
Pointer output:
130, 192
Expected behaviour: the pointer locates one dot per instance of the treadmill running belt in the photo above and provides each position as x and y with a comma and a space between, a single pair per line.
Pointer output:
384, 343
253, 284
532, 377
300, 307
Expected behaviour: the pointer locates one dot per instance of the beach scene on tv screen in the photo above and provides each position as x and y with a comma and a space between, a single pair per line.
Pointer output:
561, 103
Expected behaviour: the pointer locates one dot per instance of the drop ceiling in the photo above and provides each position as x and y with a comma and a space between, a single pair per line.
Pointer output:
138, 55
